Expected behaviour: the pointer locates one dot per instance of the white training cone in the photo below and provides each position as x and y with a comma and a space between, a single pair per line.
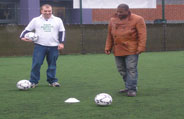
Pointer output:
72, 100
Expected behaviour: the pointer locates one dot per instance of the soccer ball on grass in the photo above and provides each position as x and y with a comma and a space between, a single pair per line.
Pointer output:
23, 84
103, 99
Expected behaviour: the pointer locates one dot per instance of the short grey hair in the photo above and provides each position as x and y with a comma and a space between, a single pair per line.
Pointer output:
46, 5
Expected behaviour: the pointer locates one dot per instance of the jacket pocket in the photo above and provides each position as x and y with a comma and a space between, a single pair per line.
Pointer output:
130, 45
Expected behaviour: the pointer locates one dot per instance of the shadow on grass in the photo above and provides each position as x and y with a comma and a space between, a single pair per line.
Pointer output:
40, 87
150, 92
156, 92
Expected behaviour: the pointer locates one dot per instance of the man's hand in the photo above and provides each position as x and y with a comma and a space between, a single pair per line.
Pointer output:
60, 46
139, 52
107, 52
26, 40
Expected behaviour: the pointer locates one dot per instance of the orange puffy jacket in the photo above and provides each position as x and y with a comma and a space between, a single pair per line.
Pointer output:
127, 36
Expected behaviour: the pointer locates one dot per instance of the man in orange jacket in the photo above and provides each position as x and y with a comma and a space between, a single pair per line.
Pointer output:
127, 38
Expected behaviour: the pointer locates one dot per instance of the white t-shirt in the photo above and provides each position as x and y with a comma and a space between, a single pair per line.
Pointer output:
47, 30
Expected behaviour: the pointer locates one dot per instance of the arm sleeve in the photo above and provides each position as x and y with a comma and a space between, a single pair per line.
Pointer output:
61, 36
109, 40
29, 27
23, 33
61, 32
142, 35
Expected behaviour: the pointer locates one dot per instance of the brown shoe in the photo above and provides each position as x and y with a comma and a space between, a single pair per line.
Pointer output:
123, 91
131, 93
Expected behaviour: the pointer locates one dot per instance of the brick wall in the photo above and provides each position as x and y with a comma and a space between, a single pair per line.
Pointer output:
172, 13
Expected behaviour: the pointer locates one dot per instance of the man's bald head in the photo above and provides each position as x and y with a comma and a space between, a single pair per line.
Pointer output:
123, 11
124, 6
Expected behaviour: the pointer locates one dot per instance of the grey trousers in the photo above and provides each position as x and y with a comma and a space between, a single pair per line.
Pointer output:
127, 67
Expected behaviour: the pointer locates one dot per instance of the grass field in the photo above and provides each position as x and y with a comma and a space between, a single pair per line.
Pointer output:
160, 94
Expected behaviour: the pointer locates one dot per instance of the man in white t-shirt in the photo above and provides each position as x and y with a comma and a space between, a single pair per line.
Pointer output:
51, 33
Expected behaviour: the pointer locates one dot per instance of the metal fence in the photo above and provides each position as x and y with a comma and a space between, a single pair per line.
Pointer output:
83, 39
86, 30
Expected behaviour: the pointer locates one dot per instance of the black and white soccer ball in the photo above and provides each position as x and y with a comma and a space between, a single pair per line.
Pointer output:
103, 99
31, 36
23, 84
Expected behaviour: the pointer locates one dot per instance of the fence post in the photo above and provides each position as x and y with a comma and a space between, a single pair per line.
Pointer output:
163, 10
164, 36
81, 20
164, 24
82, 29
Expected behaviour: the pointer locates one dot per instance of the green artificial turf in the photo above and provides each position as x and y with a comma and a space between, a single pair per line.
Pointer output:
160, 88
